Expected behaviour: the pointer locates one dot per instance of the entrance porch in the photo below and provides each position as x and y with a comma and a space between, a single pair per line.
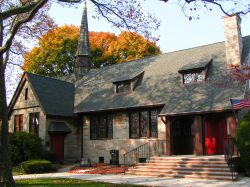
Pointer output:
199, 134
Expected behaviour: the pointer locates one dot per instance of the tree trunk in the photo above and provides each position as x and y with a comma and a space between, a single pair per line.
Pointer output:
6, 178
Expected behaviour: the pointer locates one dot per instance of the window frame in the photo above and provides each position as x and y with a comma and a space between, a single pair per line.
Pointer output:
149, 124
126, 87
36, 126
26, 94
109, 129
20, 123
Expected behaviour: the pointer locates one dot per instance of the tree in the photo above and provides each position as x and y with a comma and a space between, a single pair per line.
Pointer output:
55, 54
191, 8
243, 142
131, 46
16, 13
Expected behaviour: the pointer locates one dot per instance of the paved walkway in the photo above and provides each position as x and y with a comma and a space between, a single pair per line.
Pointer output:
140, 180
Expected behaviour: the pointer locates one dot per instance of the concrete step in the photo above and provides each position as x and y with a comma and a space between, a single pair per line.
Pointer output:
189, 162
174, 164
206, 167
187, 172
180, 175
180, 167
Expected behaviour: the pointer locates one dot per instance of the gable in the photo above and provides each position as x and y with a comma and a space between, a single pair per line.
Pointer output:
54, 96
31, 99
24, 96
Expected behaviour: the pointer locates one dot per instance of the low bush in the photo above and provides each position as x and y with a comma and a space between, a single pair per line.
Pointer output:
37, 166
26, 146
243, 142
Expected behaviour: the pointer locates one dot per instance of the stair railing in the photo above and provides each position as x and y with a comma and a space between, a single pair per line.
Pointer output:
143, 152
230, 150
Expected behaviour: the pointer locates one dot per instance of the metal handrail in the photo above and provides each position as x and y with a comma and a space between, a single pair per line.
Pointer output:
229, 152
145, 151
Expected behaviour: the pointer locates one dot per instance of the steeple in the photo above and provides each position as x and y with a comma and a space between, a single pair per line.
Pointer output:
83, 63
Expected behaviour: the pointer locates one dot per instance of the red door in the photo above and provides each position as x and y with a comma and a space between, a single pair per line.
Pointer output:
57, 146
215, 132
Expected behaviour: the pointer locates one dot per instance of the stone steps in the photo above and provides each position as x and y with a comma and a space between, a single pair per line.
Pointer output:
184, 167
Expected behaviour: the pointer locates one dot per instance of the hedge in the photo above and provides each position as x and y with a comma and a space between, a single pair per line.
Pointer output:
243, 142
36, 166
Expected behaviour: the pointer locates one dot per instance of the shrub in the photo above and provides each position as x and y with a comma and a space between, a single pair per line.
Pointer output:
36, 166
243, 142
24, 146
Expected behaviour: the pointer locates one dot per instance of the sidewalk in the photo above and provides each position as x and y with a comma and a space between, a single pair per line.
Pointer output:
141, 180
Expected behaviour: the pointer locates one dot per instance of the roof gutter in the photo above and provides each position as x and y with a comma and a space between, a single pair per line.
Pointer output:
194, 112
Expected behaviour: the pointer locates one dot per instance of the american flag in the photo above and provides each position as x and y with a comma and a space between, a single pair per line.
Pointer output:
240, 103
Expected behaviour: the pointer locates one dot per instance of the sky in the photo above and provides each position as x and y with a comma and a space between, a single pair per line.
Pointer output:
176, 31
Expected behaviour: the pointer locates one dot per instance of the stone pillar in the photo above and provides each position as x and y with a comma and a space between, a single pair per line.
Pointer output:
231, 126
197, 133
168, 136
233, 40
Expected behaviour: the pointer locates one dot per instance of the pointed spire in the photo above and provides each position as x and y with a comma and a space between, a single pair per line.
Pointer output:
83, 63
83, 43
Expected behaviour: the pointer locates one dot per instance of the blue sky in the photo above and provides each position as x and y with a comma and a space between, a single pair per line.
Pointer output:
176, 31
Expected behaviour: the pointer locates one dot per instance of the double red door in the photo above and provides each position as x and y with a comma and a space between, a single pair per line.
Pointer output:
57, 146
215, 132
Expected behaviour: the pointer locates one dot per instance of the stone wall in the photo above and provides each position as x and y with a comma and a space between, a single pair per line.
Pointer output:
25, 107
94, 149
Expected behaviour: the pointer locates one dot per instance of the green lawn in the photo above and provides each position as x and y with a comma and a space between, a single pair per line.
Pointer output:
17, 170
56, 182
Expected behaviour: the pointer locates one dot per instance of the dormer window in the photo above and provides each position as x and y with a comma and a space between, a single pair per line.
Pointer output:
123, 87
195, 72
127, 84
193, 77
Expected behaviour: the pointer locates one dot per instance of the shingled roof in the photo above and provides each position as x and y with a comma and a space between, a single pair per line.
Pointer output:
161, 83
55, 96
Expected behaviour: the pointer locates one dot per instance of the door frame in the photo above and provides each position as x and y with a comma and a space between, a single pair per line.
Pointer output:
218, 115
51, 146
172, 120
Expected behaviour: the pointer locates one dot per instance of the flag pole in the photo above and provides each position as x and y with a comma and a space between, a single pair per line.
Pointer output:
236, 117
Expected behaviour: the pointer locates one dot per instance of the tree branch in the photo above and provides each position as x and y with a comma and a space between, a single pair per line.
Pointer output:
19, 10
17, 25
99, 5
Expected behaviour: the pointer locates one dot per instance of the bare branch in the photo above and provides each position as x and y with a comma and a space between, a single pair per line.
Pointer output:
17, 25
19, 10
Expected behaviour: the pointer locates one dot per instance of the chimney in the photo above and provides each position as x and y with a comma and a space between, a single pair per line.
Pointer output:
83, 63
233, 40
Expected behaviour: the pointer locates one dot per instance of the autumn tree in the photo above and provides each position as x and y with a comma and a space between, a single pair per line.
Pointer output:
131, 46
55, 55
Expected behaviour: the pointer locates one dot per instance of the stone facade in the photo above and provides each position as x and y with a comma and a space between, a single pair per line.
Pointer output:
25, 107
94, 149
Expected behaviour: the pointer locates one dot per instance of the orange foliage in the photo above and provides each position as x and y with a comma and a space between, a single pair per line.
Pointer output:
55, 54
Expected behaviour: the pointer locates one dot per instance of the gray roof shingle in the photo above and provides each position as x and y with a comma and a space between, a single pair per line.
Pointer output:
161, 83
55, 96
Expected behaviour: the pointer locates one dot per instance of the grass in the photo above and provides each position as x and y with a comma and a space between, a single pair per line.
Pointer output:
17, 170
56, 182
